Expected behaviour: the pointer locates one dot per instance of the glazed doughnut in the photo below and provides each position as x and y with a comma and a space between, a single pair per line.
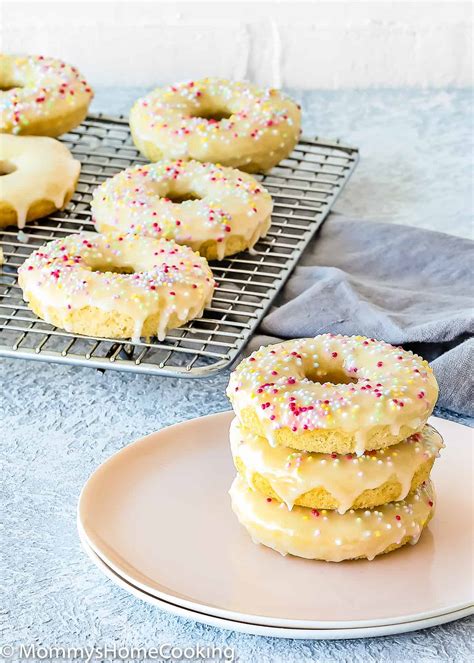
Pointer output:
121, 287
216, 211
333, 393
328, 535
227, 122
38, 176
41, 96
329, 481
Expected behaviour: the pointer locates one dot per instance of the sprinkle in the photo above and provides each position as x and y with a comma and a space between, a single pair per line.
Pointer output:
304, 398
20, 107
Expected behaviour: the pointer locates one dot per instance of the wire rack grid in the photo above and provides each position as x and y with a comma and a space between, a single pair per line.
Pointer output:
303, 187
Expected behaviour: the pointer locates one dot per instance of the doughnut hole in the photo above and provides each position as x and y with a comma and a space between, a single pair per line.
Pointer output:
122, 264
7, 168
13, 80
8, 88
332, 376
113, 269
177, 191
216, 114
328, 371
7, 84
214, 108
183, 197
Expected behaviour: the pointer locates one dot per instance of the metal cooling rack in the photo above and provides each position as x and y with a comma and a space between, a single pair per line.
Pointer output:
303, 187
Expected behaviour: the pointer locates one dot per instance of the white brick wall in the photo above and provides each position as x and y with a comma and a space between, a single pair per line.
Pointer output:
315, 44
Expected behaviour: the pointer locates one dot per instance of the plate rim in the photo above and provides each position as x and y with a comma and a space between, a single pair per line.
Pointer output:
223, 613
265, 629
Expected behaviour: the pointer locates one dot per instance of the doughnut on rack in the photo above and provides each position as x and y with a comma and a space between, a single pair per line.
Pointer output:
304, 188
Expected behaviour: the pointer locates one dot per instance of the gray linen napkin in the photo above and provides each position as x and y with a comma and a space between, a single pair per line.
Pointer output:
404, 285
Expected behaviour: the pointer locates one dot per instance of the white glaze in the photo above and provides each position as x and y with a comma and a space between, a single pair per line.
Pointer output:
43, 169
293, 473
328, 535
167, 278
139, 200
40, 89
297, 385
177, 122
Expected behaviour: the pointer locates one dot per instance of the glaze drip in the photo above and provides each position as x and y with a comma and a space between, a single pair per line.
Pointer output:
328, 535
255, 130
39, 88
72, 274
41, 169
293, 473
228, 204
334, 383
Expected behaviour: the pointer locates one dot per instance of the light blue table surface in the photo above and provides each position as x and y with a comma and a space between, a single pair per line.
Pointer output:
59, 422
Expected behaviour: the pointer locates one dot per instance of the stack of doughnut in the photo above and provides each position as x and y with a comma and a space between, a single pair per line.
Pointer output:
332, 447
145, 271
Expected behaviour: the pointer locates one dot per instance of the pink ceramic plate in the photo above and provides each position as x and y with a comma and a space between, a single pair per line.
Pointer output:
158, 514
272, 631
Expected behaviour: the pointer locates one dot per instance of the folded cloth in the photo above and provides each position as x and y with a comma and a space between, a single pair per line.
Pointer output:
407, 286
